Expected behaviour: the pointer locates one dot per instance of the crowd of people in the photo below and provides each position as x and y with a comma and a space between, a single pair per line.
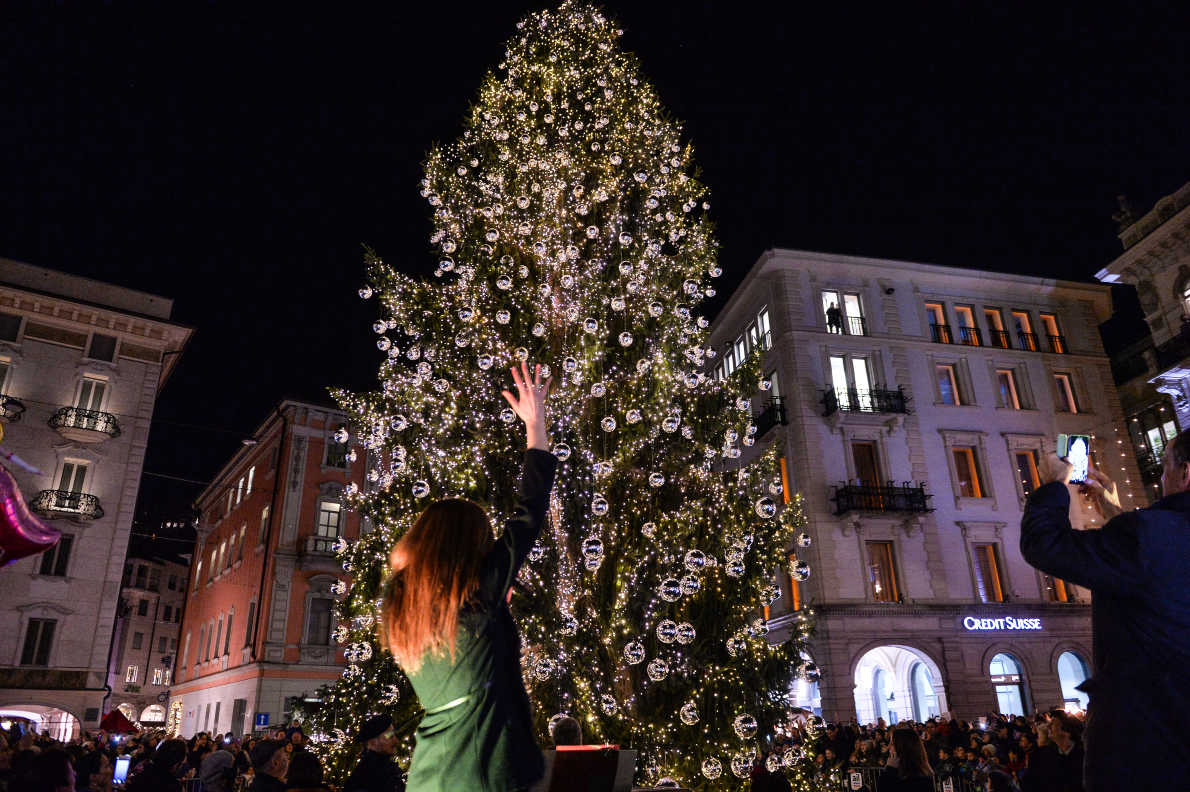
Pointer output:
1041, 753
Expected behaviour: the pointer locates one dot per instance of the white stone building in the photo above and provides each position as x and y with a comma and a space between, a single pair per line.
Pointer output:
81, 364
912, 426
152, 598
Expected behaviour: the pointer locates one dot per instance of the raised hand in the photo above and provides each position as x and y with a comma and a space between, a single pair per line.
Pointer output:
1102, 493
529, 404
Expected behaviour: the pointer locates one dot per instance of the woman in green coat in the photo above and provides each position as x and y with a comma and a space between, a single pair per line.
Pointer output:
447, 623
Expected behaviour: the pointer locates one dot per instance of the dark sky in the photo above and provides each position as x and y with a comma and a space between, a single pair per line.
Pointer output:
237, 158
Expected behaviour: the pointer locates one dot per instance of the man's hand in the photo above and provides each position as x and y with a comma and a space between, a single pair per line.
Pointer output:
1054, 468
1102, 493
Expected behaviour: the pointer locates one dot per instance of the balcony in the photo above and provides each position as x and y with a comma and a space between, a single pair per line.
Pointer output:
970, 336
1028, 341
11, 410
1000, 339
1058, 344
318, 553
940, 334
882, 498
857, 325
864, 401
85, 426
772, 414
62, 504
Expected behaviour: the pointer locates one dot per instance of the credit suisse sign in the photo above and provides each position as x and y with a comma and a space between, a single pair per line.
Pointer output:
1005, 623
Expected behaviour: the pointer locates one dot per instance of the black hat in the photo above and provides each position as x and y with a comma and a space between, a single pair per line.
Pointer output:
374, 727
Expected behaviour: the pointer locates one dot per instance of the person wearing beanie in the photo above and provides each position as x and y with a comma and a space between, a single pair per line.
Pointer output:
270, 760
217, 771
376, 771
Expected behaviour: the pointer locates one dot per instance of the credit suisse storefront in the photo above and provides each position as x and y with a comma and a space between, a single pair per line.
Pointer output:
912, 662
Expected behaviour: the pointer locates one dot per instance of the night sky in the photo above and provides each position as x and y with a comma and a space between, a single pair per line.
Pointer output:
237, 159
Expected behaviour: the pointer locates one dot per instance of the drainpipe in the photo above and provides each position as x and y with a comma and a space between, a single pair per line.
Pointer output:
268, 532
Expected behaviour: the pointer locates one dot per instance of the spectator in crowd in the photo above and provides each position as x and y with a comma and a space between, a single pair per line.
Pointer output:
218, 772
908, 769
46, 771
305, 773
1135, 568
270, 761
567, 731
999, 781
161, 773
1066, 733
376, 771
93, 772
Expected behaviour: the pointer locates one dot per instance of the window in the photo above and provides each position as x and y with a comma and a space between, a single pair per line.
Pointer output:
1009, 397
202, 637
881, 572
1057, 341
211, 572
230, 495
103, 347
948, 384
240, 548
318, 622
91, 393
854, 314
1026, 468
185, 651
5, 367
239, 490
251, 476
832, 310
218, 705
55, 560
142, 576
995, 320
157, 676
251, 623
10, 327
162, 645
210, 640
1072, 672
131, 674
264, 524
39, 636
939, 329
1065, 401
142, 608
336, 454
867, 465
138, 640
968, 332
967, 472
167, 677
197, 574
222, 555
762, 324
1056, 589
227, 640
218, 636
154, 580
327, 530
1024, 331
74, 475
172, 583
167, 613
988, 580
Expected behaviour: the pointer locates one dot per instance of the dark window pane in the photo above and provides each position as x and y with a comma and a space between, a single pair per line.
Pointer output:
10, 326
142, 608
103, 347
320, 622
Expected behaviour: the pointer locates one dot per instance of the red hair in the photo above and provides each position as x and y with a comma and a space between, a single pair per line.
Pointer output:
435, 569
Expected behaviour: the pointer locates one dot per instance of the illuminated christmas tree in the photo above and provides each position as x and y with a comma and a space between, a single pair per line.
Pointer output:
572, 231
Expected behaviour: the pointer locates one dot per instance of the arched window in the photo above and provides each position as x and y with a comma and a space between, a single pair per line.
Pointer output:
925, 700
1009, 682
880, 694
1072, 671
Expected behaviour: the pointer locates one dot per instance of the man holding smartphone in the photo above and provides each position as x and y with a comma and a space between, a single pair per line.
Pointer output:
1136, 567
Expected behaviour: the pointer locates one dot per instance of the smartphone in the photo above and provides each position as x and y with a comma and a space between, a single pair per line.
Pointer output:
1076, 449
121, 773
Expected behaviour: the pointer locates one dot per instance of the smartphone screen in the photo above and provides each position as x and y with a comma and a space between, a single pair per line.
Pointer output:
1076, 449
121, 773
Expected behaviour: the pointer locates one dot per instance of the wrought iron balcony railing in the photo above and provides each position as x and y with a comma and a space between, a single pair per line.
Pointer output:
1058, 344
857, 325
1028, 341
11, 410
63, 503
940, 334
772, 414
321, 544
864, 401
1000, 338
890, 497
69, 420
1150, 465
970, 336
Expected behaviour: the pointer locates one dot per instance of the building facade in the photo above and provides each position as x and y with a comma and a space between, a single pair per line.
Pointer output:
256, 635
1154, 375
911, 405
81, 364
152, 598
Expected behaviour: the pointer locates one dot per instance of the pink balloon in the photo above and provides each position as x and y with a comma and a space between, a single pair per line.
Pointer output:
21, 532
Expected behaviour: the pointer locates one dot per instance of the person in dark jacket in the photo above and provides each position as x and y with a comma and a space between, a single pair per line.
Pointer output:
376, 771
908, 768
1135, 566
446, 620
160, 773
270, 761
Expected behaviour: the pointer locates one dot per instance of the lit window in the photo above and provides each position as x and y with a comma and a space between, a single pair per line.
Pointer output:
167, 676
988, 582
882, 572
1065, 394
222, 555
967, 472
264, 523
741, 349
91, 393
939, 329
832, 311
197, 574
336, 453
1024, 330
239, 490
157, 676
1056, 589
1008, 393
327, 529
1026, 467
130, 674
251, 476
766, 334
240, 548
968, 332
948, 384
213, 568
